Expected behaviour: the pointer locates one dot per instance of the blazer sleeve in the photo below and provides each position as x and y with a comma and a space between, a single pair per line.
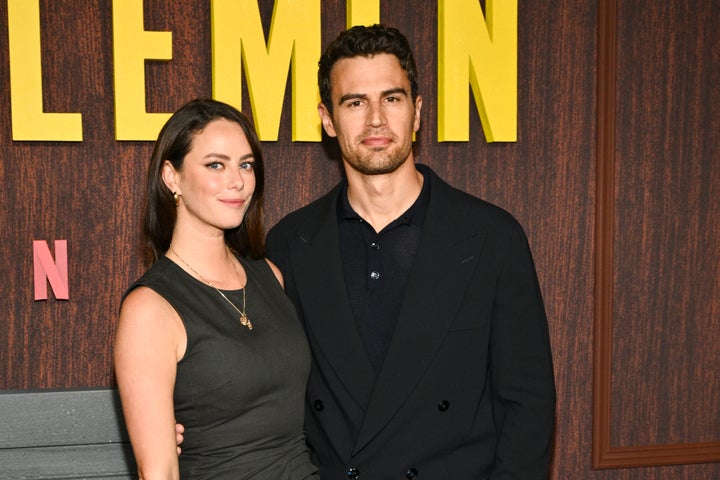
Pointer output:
521, 368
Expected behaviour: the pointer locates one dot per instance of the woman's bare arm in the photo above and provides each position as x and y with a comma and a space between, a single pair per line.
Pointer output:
149, 342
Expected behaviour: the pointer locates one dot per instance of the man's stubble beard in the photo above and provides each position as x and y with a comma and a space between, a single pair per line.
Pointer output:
379, 161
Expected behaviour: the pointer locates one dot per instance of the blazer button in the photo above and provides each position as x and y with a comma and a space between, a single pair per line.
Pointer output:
352, 472
411, 473
319, 405
444, 405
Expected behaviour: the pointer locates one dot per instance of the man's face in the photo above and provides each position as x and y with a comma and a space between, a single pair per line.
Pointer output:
373, 116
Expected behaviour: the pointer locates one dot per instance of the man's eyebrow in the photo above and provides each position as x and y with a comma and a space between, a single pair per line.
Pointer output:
352, 96
394, 90
362, 96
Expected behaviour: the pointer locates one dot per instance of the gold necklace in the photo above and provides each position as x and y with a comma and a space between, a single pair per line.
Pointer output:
244, 320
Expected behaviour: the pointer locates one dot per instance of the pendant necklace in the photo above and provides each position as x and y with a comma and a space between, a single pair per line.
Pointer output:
244, 320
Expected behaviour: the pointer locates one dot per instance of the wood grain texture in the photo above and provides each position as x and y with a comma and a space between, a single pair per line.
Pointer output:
668, 224
90, 193
658, 275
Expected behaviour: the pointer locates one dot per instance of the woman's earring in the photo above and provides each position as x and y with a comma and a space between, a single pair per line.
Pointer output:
176, 198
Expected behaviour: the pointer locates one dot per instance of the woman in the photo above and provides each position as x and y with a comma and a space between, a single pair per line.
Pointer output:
207, 336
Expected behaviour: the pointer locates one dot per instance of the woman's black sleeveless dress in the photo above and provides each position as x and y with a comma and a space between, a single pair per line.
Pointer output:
239, 393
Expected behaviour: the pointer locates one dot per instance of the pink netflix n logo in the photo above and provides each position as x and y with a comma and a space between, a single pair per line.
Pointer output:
48, 270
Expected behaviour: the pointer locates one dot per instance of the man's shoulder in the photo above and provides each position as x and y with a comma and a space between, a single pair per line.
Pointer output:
314, 211
468, 207
297, 224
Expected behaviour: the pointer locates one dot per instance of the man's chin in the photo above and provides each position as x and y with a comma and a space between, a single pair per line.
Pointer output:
375, 168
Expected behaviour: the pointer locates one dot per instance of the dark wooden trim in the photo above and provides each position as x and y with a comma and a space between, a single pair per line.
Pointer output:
604, 455
658, 455
605, 205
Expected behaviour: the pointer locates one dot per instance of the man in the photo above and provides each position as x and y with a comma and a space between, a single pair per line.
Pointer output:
431, 356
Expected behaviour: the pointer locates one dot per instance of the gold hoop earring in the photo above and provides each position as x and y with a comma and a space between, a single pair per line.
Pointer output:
176, 199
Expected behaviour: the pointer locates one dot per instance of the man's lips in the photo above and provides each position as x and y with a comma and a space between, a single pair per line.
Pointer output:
376, 141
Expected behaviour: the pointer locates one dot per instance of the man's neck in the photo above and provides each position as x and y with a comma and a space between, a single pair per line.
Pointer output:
380, 199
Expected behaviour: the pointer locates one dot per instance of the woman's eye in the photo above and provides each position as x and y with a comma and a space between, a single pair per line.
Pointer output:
247, 166
214, 165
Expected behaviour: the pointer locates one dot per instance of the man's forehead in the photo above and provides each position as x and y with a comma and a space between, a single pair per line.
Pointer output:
366, 75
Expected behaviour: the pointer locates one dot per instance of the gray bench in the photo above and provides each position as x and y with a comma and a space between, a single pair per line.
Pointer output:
69, 434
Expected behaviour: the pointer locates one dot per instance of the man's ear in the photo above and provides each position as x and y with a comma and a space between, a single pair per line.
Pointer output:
169, 177
326, 120
418, 107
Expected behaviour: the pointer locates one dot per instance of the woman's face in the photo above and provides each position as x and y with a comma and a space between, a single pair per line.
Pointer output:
216, 181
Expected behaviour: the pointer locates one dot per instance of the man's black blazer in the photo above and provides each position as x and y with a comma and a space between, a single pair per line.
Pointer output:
466, 390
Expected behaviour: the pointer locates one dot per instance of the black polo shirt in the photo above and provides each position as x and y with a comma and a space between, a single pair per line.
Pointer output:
377, 267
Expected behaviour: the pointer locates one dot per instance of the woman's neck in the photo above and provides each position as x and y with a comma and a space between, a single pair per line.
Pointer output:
209, 261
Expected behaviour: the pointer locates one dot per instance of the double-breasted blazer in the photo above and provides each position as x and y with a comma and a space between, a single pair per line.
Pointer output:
466, 390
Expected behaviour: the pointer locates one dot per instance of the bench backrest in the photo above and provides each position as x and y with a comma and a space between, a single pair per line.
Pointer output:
62, 435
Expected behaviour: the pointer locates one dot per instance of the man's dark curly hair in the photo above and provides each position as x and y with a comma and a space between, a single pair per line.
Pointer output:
363, 41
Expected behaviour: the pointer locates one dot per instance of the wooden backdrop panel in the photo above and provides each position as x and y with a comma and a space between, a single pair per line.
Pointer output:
667, 265
658, 277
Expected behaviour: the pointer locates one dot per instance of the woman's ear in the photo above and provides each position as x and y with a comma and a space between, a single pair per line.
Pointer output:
169, 177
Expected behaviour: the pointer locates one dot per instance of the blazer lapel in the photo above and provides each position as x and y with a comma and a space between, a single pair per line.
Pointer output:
325, 306
445, 260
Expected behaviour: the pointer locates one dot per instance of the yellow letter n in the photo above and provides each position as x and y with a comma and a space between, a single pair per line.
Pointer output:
483, 52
